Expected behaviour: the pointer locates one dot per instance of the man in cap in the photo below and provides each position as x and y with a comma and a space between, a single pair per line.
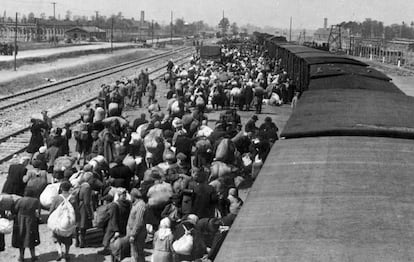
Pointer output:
136, 227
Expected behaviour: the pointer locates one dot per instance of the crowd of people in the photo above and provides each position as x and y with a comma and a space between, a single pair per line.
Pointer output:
166, 178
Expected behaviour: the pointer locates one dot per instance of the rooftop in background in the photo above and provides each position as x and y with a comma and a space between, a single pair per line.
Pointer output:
88, 29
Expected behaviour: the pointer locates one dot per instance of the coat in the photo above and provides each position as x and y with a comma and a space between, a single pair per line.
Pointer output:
26, 224
136, 224
36, 140
84, 213
205, 199
14, 183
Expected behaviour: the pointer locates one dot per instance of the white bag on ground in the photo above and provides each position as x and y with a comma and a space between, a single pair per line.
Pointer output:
62, 221
48, 194
6, 226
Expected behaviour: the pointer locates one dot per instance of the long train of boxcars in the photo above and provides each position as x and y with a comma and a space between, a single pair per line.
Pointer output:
340, 185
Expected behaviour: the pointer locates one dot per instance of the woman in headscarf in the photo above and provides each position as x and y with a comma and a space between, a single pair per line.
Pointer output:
26, 227
163, 240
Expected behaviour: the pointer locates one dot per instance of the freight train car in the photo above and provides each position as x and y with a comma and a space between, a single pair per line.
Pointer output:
339, 186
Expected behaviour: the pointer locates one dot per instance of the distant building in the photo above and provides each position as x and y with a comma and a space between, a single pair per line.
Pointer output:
86, 33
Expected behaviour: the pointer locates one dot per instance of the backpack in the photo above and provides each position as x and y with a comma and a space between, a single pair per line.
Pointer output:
184, 245
62, 221
101, 216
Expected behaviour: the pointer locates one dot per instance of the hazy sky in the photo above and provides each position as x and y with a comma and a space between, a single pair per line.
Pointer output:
306, 13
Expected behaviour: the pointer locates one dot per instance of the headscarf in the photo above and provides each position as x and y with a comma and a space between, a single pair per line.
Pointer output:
165, 229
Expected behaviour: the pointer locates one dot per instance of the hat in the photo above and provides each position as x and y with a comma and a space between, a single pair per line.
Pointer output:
254, 117
136, 193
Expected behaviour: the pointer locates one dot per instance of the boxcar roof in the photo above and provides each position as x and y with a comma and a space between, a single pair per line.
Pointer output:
296, 49
323, 70
327, 58
328, 199
353, 82
351, 112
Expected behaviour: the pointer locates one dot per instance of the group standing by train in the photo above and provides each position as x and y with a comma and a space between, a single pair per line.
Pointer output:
165, 178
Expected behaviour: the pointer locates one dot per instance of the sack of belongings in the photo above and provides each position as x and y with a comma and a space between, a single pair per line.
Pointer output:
6, 226
184, 245
62, 221
159, 194
48, 194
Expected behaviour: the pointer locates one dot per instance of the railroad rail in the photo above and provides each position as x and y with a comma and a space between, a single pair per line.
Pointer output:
45, 90
17, 141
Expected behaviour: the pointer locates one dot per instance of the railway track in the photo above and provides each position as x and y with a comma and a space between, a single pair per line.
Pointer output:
17, 141
28, 95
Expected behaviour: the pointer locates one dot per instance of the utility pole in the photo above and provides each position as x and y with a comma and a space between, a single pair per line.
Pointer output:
152, 32
112, 34
171, 27
15, 46
54, 22
304, 36
290, 30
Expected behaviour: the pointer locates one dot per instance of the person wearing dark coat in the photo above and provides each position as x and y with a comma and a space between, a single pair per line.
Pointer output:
251, 125
84, 213
248, 96
118, 219
14, 183
184, 145
67, 135
269, 129
205, 196
26, 224
36, 140
120, 174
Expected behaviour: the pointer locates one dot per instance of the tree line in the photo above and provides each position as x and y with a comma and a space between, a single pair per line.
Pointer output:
376, 29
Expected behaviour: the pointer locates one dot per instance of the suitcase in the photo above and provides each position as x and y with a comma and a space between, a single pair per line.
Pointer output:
94, 236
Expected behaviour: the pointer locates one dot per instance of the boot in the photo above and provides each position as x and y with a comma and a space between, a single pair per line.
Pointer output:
82, 243
77, 244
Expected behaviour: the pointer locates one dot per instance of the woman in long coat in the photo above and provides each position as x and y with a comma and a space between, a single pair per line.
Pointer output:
26, 224
36, 140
